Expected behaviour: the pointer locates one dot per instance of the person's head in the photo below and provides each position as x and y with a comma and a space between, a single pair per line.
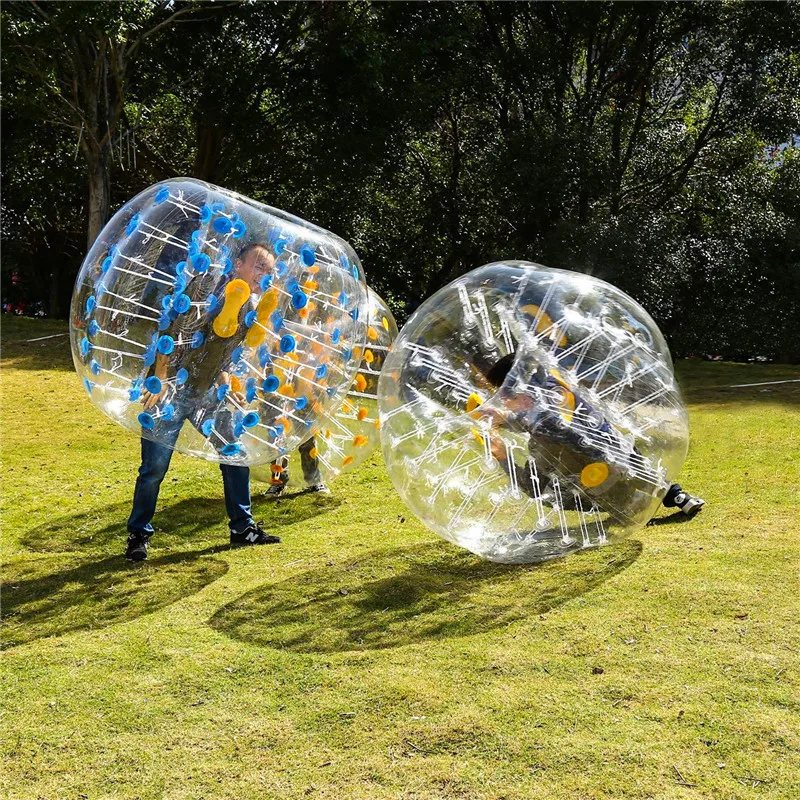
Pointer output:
496, 374
252, 264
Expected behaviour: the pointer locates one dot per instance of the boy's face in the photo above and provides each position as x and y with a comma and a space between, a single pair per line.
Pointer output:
255, 264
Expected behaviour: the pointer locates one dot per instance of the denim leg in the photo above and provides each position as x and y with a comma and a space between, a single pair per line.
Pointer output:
155, 461
309, 463
236, 482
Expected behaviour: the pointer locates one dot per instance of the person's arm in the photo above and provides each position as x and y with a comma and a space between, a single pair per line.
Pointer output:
160, 369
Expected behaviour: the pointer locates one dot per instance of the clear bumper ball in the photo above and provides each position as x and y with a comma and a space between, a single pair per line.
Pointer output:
215, 325
527, 412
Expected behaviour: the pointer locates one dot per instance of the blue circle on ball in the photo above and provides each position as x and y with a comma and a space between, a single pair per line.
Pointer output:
181, 376
266, 282
301, 403
107, 263
147, 421
281, 268
86, 346
181, 303
201, 262
166, 344
222, 225
198, 337
336, 336
231, 449
251, 419
94, 367
271, 383
93, 329
132, 225
239, 229
322, 371
222, 391
299, 300
205, 214
162, 195
207, 427
250, 318
88, 385
307, 255
91, 304
287, 343
153, 385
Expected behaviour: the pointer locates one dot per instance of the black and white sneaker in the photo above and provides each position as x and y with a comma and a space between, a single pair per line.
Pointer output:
689, 504
318, 488
275, 490
254, 534
136, 547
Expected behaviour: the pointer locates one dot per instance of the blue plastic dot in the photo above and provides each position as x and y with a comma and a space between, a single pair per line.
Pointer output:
134, 394
238, 429
166, 302
147, 421
251, 419
271, 383
343, 262
222, 391
132, 225
343, 298
292, 285
207, 427
236, 354
355, 271
331, 391
181, 303
250, 390
181, 282
88, 385
217, 207
168, 412
250, 318
194, 249
279, 430
198, 234
164, 321
205, 214
201, 262
153, 385
301, 403
347, 354
263, 356
239, 229
198, 337
222, 225
150, 356
354, 314
91, 304
86, 346
94, 328
287, 343
227, 266
211, 303
276, 320
113, 250
161, 195
166, 344
280, 246
106, 265
94, 367
231, 449
307, 255
322, 371
181, 376
266, 282
281, 268
224, 250
336, 335
299, 300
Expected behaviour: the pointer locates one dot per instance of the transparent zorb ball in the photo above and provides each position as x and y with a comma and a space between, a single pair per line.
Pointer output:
216, 325
527, 412
346, 437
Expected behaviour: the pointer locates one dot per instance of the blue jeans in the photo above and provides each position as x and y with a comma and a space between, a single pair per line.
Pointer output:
155, 461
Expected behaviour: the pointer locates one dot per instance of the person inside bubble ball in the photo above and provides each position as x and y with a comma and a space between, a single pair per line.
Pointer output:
554, 441
208, 371
309, 463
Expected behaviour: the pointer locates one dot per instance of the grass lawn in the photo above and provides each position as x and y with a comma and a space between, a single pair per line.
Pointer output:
364, 658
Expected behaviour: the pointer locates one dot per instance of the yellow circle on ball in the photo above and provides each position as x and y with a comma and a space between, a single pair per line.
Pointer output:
594, 474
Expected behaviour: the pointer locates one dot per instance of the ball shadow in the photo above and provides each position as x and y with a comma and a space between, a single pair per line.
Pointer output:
38, 603
390, 598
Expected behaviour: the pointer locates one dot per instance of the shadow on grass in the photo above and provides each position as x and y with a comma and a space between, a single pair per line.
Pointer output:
195, 520
390, 598
675, 518
37, 603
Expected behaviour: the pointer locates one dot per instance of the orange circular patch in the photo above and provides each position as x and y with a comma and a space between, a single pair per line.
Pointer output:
594, 474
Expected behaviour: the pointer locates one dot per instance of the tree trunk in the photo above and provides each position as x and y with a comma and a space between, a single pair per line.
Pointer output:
99, 193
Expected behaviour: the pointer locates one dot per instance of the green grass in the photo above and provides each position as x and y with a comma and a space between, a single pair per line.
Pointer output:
364, 658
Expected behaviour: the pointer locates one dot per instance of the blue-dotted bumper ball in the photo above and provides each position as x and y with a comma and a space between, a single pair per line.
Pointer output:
216, 325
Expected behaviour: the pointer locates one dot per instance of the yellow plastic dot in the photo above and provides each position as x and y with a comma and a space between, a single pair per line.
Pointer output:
377, 423
349, 460
385, 324
594, 474
312, 453
372, 333
236, 384
360, 440
369, 356
276, 469
362, 413
473, 401
360, 382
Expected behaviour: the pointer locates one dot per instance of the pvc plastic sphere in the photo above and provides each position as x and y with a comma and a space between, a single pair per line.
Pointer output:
527, 412
348, 436
216, 325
